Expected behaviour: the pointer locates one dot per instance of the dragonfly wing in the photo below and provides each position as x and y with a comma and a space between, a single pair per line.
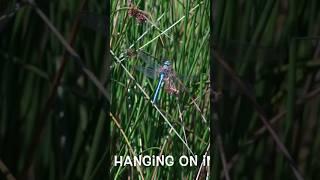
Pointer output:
180, 84
147, 71
149, 60
184, 82
188, 78
175, 83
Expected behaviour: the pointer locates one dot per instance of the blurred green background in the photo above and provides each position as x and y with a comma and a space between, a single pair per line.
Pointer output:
53, 118
273, 48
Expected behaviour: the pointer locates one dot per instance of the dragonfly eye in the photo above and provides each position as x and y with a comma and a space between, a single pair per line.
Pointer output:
167, 63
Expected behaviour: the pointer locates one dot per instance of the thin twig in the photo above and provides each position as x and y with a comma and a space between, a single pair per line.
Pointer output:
203, 163
5, 171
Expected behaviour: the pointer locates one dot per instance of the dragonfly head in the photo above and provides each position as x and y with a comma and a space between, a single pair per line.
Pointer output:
165, 69
167, 63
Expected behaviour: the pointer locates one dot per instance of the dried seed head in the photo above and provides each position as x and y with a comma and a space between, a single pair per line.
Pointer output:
131, 52
138, 14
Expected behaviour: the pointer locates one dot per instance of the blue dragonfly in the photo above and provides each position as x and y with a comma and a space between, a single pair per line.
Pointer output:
165, 74
163, 77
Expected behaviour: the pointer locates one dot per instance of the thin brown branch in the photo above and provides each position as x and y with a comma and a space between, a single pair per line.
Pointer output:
5, 171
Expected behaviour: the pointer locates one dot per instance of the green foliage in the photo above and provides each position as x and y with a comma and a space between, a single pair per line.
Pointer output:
181, 35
